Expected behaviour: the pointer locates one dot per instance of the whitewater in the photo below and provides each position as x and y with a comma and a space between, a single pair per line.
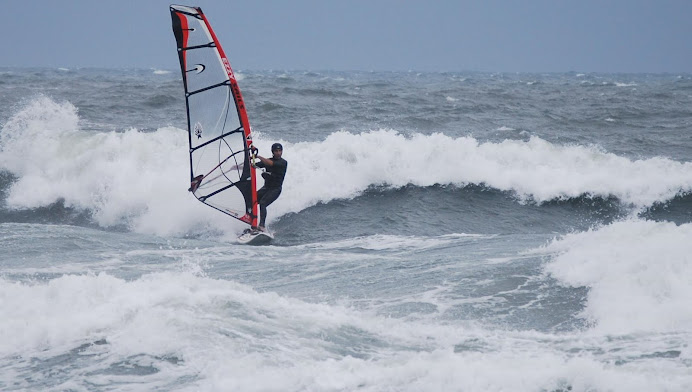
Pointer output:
436, 231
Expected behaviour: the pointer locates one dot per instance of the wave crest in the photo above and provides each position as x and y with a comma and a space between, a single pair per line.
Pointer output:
140, 179
638, 274
346, 164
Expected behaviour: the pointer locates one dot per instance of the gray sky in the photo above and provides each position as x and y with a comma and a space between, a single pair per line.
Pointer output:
444, 35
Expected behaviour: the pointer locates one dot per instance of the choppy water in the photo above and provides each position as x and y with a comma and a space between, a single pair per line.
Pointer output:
437, 232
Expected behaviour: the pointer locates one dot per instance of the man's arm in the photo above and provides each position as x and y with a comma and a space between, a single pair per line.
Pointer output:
265, 161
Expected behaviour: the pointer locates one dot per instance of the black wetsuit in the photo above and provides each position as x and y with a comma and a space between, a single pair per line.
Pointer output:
273, 180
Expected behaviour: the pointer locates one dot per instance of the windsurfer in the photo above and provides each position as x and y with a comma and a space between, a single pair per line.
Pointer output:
275, 171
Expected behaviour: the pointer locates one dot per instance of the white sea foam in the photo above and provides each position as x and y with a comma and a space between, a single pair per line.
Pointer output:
222, 335
140, 179
396, 243
161, 72
534, 169
129, 177
639, 274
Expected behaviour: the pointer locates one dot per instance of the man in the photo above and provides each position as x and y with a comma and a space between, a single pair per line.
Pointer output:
275, 171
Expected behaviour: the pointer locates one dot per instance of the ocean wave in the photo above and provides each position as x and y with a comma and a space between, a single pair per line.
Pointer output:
394, 242
316, 92
121, 177
161, 100
135, 178
345, 164
268, 106
639, 274
212, 334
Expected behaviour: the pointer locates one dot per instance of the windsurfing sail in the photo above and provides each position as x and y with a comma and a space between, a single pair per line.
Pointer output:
221, 148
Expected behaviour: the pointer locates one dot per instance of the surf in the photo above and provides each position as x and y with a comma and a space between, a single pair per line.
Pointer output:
134, 179
638, 273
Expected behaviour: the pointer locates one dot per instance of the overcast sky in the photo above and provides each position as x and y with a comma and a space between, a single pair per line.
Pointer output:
444, 35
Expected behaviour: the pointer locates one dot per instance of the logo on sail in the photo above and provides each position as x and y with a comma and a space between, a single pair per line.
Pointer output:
198, 130
227, 65
197, 68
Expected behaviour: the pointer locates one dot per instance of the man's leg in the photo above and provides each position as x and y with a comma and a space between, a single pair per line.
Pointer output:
268, 198
263, 211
